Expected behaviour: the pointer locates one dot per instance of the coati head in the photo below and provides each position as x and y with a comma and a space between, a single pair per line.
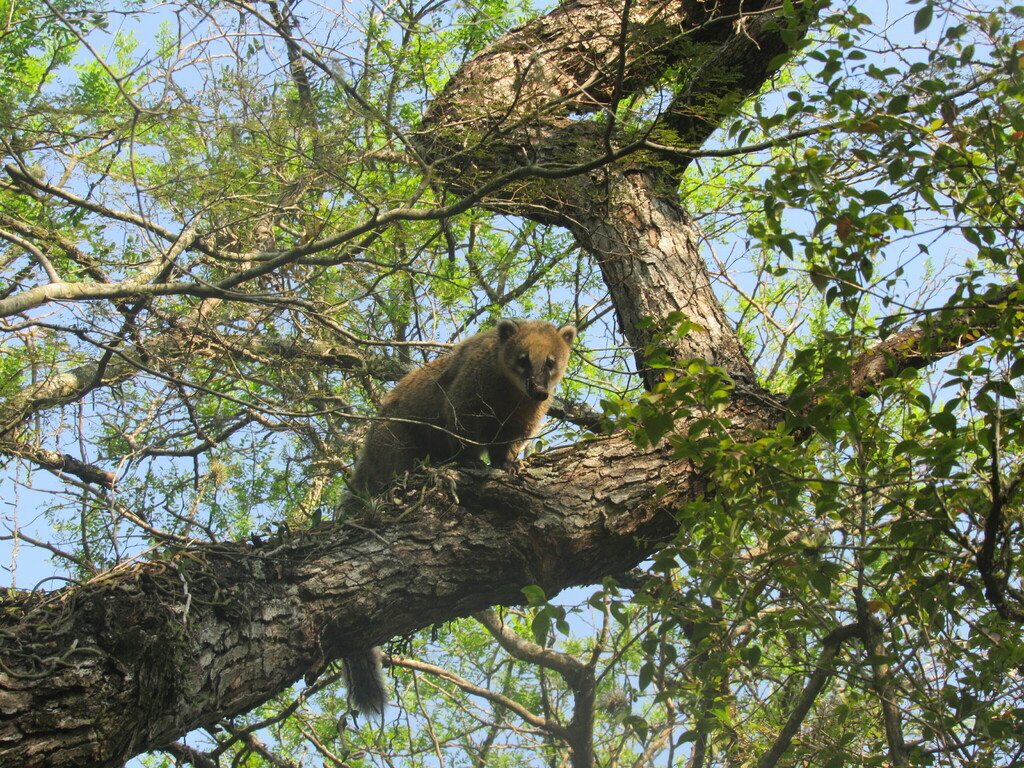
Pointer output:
533, 354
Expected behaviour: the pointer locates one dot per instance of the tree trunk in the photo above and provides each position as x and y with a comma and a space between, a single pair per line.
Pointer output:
516, 105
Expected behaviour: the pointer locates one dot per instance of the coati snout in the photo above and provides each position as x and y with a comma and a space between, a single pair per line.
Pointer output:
539, 394
488, 394
533, 363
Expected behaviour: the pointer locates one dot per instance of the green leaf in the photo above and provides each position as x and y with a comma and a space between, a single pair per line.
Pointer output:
534, 595
923, 18
645, 675
876, 197
540, 626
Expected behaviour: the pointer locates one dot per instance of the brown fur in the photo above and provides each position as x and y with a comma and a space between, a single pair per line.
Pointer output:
489, 393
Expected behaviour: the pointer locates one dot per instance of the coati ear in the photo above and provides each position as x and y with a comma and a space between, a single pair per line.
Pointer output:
568, 332
506, 329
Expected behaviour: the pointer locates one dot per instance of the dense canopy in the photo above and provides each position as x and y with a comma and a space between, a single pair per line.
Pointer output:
775, 517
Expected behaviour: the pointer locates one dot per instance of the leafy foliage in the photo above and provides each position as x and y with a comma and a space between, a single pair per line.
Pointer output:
220, 247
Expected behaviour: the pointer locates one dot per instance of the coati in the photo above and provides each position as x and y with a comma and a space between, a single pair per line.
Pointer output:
490, 394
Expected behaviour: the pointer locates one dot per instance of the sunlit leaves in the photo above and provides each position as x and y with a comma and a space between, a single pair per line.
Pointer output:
872, 503
690, 391
885, 193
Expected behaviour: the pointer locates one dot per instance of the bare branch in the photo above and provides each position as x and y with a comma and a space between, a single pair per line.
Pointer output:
823, 671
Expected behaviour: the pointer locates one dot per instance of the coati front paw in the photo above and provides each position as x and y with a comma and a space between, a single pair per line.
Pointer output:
510, 466
515, 469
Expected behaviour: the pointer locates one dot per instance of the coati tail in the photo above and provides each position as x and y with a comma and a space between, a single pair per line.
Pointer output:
366, 690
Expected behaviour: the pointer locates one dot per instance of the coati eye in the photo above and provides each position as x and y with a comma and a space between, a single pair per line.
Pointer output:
550, 364
524, 362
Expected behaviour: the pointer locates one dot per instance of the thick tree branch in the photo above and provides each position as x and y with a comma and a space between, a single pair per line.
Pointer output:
627, 215
881, 681
61, 463
144, 654
572, 61
917, 346
737, 66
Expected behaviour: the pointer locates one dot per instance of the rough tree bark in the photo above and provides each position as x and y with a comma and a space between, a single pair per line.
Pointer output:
146, 653
513, 107
131, 661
